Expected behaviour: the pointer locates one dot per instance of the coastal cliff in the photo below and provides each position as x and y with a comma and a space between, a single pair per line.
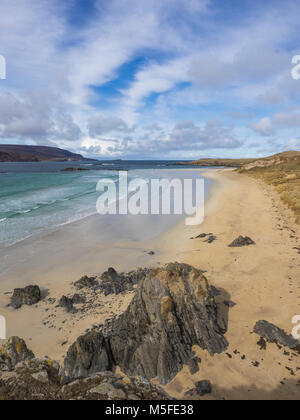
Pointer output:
12, 153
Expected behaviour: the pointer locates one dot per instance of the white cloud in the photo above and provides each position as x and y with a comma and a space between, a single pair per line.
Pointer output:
284, 120
37, 115
99, 125
185, 137
50, 73
293, 144
264, 127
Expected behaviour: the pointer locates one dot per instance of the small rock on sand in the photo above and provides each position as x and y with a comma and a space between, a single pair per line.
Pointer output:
241, 241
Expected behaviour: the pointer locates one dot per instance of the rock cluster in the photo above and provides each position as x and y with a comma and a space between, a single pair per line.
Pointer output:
173, 310
29, 378
13, 352
29, 295
210, 237
88, 355
273, 334
86, 282
68, 303
241, 241
114, 283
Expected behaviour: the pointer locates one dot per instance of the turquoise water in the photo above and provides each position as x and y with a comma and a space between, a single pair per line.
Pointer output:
38, 196
31, 202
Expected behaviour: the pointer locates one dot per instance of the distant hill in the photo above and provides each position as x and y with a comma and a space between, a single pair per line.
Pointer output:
231, 163
12, 153
246, 163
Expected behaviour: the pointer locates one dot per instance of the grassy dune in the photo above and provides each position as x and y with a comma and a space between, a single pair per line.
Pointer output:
230, 163
283, 172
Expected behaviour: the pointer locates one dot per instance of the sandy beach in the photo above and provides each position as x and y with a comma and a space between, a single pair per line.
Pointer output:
262, 281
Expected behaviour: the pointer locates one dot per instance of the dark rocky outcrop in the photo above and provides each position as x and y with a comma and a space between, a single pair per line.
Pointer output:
114, 283
273, 334
89, 354
30, 295
68, 303
29, 378
86, 282
13, 352
173, 309
241, 241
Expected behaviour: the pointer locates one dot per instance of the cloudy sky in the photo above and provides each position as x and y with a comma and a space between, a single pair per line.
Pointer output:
150, 78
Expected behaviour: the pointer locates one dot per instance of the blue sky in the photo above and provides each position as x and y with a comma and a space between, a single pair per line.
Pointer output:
151, 79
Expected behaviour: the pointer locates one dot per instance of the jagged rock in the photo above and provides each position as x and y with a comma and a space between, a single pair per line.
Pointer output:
67, 304
241, 241
114, 283
173, 309
88, 282
41, 379
89, 354
30, 295
273, 334
13, 352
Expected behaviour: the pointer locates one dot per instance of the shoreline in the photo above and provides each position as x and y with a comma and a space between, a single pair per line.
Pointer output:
92, 214
261, 280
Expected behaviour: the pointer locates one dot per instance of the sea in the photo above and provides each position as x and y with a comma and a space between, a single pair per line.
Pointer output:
36, 196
